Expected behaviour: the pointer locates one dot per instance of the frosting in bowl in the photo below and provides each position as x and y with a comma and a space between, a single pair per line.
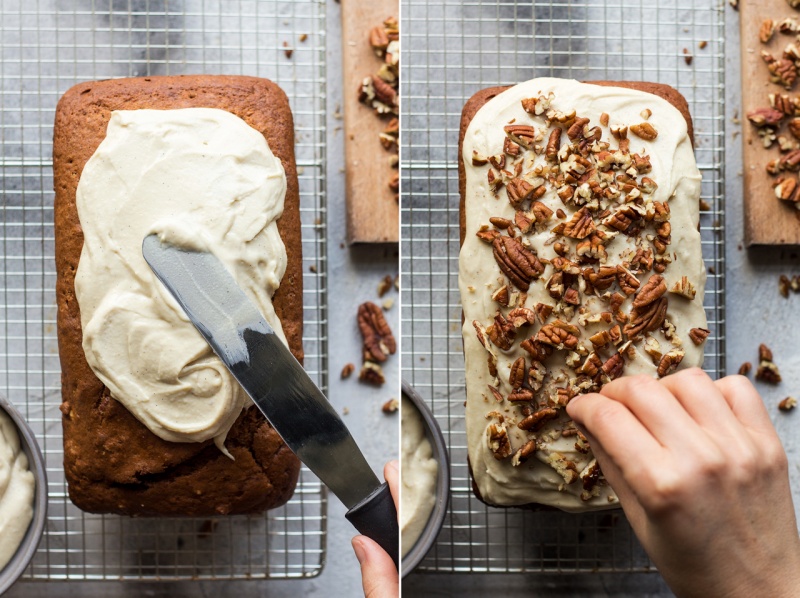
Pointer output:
17, 485
419, 469
201, 178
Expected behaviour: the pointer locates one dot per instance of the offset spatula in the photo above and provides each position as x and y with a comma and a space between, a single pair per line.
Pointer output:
277, 383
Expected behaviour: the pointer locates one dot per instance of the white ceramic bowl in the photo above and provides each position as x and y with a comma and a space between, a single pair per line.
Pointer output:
434, 525
30, 542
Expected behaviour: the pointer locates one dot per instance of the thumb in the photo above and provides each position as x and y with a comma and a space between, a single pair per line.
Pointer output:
378, 573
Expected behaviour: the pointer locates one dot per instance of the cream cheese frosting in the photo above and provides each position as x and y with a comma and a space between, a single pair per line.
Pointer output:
554, 473
17, 485
200, 178
419, 470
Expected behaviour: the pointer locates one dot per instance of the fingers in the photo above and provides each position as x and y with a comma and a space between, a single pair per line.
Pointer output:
391, 473
656, 408
378, 573
745, 402
702, 399
613, 427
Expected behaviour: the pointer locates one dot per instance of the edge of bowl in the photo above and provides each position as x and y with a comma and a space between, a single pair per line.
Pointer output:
434, 525
30, 542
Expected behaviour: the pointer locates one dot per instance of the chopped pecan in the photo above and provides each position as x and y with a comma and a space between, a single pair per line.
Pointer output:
371, 373
378, 339
501, 295
518, 190
581, 225
614, 366
559, 334
787, 404
523, 222
516, 377
768, 372
600, 279
590, 476
699, 335
541, 211
498, 440
518, 263
553, 145
766, 30
521, 395
591, 366
524, 453
478, 160
782, 71
521, 316
538, 350
644, 130
788, 190
495, 393
600, 339
536, 420
543, 311
502, 332
487, 235
642, 261
647, 318
794, 127
627, 281
491, 360
501, 223
745, 368
790, 161
347, 370
510, 148
684, 288
524, 135
764, 353
653, 289
670, 362
592, 248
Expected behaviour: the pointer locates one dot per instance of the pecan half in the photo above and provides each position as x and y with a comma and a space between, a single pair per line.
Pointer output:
518, 263
524, 135
765, 117
553, 145
644, 130
647, 318
559, 334
600, 279
581, 225
521, 395
536, 420
670, 362
516, 377
591, 366
699, 335
654, 289
614, 366
379, 342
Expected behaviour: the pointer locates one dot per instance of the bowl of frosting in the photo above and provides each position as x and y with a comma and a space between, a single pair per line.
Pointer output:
23, 494
425, 468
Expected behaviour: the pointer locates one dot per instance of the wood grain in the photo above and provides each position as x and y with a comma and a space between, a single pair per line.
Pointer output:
372, 212
768, 221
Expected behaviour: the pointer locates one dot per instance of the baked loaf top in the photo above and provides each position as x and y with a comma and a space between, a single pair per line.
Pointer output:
580, 262
113, 463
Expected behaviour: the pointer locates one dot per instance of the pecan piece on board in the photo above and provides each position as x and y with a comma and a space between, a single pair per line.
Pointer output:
518, 263
379, 342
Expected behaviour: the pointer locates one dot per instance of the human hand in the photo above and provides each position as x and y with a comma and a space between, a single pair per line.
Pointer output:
703, 479
378, 573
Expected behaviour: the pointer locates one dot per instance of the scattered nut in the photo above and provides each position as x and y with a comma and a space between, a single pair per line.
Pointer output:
385, 285
390, 406
371, 373
766, 31
745, 368
347, 370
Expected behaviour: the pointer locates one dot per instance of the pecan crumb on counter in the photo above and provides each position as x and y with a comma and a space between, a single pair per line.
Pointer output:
787, 404
347, 370
390, 406
767, 370
745, 368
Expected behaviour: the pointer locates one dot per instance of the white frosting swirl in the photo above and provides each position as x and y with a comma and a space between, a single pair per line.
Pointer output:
418, 496
674, 170
17, 484
201, 178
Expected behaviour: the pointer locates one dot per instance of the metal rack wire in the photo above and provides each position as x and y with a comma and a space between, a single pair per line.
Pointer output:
45, 47
453, 48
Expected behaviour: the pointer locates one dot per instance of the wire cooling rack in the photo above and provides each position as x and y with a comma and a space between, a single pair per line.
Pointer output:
45, 47
453, 48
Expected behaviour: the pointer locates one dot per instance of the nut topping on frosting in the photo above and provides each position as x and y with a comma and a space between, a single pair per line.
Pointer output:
583, 250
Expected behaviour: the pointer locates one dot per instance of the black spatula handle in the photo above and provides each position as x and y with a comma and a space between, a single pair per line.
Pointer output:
376, 518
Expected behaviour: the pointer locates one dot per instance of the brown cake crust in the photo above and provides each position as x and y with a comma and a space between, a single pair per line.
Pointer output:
475, 103
113, 463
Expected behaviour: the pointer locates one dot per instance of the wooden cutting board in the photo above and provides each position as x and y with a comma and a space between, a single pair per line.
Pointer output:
768, 221
372, 212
